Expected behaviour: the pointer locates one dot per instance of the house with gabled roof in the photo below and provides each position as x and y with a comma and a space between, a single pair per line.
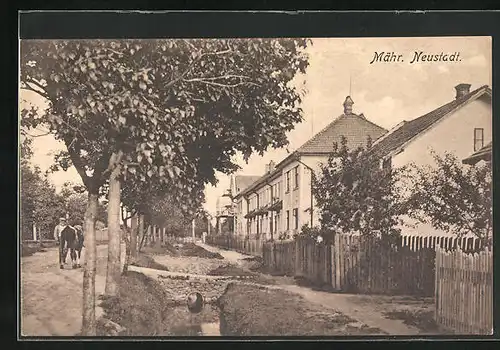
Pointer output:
281, 200
462, 126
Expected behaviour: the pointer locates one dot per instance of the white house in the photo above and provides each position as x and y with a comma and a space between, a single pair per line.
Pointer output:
281, 200
462, 126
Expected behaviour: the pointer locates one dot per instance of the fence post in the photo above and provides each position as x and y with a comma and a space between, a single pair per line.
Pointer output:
436, 284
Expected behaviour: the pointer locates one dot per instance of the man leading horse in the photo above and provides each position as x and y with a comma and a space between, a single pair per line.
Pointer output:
71, 239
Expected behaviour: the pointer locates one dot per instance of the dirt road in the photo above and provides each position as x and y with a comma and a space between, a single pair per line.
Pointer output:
51, 298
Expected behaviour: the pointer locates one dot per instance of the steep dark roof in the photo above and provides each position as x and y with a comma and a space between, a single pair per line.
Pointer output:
483, 154
356, 128
243, 181
409, 129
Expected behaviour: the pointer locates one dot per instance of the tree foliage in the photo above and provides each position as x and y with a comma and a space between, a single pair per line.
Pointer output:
354, 194
453, 197
39, 202
177, 109
75, 202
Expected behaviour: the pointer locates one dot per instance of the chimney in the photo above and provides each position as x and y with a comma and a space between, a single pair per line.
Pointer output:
267, 169
462, 90
348, 105
272, 166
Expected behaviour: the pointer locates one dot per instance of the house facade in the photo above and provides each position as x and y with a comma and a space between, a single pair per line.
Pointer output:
280, 202
225, 207
462, 127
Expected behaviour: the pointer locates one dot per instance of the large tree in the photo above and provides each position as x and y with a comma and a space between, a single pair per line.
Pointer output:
355, 194
453, 197
171, 110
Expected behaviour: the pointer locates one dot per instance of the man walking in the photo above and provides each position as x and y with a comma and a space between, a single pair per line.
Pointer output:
66, 236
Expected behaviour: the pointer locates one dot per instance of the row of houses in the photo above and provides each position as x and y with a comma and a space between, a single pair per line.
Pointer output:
281, 201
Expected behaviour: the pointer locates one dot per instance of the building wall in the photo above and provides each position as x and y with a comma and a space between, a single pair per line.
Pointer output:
313, 162
455, 134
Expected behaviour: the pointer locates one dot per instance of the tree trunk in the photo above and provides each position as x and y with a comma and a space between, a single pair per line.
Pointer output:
88, 314
114, 242
133, 236
141, 231
126, 237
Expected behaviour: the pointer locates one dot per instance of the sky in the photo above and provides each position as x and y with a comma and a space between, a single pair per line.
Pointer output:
385, 92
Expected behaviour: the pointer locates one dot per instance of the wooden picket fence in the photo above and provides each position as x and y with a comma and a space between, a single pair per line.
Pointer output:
467, 244
464, 291
240, 244
279, 257
356, 264
353, 263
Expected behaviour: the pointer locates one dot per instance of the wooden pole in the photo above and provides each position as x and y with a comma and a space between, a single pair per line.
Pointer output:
193, 229
34, 231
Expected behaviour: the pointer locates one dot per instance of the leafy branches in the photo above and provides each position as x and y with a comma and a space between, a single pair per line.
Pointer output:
453, 198
355, 194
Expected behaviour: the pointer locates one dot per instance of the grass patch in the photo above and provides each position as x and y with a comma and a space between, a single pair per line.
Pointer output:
28, 250
322, 287
184, 249
256, 311
144, 308
421, 319
144, 260
139, 305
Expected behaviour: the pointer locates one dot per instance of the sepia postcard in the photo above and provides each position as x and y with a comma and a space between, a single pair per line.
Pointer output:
215, 187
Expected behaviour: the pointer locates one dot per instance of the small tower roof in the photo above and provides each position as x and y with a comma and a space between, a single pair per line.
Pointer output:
348, 101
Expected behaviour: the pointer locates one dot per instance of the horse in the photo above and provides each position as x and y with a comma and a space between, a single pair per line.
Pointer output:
78, 244
67, 242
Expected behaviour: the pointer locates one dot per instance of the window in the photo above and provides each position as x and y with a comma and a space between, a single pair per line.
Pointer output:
296, 217
296, 177
478, 139
257, 224
287, 220
257, 205
387, 163
287, 181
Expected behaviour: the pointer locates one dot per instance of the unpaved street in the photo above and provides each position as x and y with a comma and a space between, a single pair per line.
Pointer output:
51, 299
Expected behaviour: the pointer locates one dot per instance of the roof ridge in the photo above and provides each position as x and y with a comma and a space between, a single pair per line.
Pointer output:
437, 113
461, 101
335, 121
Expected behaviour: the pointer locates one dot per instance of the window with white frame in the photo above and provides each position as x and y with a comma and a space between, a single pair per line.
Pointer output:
287, 181
296, 178
478, 139
287, 220
296, 218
